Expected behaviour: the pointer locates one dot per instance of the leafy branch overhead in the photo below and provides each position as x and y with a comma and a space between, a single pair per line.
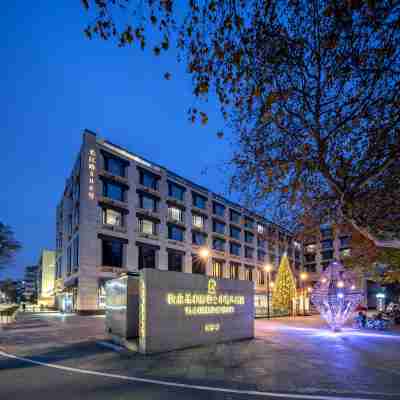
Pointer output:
311, 88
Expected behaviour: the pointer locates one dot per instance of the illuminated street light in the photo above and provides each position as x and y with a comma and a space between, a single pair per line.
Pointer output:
303, 278
268, 269
204, 253
340, 284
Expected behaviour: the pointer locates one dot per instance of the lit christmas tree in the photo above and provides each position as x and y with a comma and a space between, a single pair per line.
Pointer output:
284, 289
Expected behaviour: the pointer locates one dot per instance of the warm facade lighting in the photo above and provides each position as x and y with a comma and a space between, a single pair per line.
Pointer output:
268, 268
303, 276
204, 253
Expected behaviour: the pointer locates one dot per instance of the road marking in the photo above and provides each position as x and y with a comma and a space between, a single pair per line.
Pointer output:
181, 385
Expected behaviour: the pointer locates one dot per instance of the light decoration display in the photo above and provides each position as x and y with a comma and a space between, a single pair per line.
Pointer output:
284, 290
335, 295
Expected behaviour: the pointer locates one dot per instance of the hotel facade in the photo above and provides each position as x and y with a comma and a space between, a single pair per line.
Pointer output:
120, 213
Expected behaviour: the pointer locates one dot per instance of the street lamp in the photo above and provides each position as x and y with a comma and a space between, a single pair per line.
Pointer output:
268, 269
204, 253
303, 278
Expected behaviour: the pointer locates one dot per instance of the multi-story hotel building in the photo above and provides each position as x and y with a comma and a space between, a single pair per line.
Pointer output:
120, 212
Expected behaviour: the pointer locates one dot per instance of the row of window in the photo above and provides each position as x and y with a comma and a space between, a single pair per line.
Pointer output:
117, 192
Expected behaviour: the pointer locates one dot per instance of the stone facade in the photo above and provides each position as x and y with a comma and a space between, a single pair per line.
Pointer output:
166, 233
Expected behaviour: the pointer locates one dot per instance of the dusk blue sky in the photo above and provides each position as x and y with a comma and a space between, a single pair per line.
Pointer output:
54, 83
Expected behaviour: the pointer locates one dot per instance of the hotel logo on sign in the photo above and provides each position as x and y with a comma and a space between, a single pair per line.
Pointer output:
92, 173
210, 303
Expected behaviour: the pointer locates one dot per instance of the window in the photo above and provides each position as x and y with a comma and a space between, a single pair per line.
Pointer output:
260, 277
76, 215
219, 209
327, 244
175, 233
234, 248
218, 227
248, 272
114, 166
198, 238
248, 223
248, 252
76, 253
199, 201
113, 191
310, 268
260, 229
217, 269
147, 256
248, 237
235, 232
175, 214
148, 179
261, 242
326, 232
309, 258
176, 191
147, 226
198, 221
112, 253
69, 261
235, 217
148, 202
198, 265
344, 241
218, 244
175, 261
261, 255
112, 217
234, 270
327, 255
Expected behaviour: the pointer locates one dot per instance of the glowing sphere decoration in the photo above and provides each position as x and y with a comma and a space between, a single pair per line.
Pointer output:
336, 295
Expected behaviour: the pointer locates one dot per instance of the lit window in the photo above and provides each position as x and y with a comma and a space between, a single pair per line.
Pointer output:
198, 221
260, 228
311, 248
260, 277
217, 269
175, 214
233, 270
248, 273
112, 217
146, 226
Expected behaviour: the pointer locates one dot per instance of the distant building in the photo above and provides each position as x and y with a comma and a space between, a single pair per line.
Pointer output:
120, 212
46, 278
31, 282
326, 245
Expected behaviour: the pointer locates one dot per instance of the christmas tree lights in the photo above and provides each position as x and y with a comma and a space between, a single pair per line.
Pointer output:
284, 289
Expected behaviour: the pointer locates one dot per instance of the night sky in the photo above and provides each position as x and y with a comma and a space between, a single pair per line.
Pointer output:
54, 83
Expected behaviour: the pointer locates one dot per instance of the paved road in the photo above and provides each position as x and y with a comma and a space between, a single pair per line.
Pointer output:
289, 356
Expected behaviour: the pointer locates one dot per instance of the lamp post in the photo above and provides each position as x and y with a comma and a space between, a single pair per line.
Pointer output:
303, 278
268, 269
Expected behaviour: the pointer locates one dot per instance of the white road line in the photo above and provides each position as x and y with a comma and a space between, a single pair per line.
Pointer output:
180, 385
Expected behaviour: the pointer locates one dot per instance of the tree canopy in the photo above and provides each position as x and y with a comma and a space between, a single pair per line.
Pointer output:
8, 245
310, 88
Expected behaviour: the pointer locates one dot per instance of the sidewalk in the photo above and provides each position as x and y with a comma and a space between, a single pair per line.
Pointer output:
288, 355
